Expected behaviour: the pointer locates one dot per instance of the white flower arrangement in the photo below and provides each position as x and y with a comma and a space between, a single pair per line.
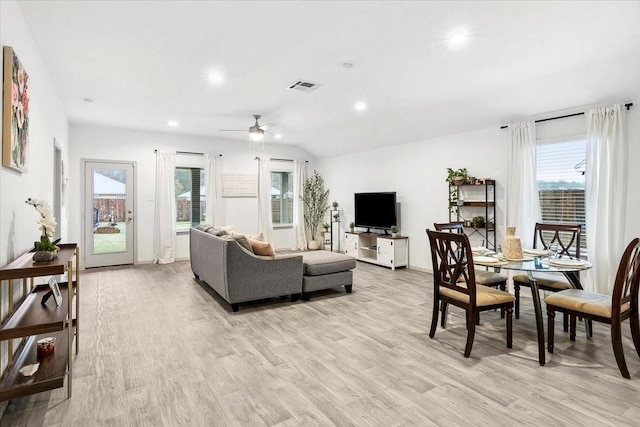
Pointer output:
48, 223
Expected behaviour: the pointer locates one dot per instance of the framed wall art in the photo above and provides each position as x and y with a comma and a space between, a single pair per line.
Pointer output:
15, 113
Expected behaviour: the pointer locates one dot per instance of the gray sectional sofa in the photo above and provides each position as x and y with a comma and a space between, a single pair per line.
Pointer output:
238, 275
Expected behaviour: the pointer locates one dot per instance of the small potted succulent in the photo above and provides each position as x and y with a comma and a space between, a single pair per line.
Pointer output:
394, 231
326, 226
352, 226
335, 205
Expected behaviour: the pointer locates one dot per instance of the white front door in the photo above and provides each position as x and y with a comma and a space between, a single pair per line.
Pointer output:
109, 221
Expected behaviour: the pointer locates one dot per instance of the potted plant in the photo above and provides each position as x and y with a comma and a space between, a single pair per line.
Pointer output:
352, 226
335, 205
326, 226
394, 230
315, 204
457, 177
478, 221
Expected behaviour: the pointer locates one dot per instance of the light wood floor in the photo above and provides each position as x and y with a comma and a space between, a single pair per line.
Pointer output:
158, 349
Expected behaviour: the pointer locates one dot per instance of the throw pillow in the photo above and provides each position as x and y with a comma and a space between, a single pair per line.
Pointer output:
242, 241
261, 248
217, 232
203, 227
258, 236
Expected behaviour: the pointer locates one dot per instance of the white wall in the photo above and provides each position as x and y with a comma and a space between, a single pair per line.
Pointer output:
107, 143
18, 228
417, 172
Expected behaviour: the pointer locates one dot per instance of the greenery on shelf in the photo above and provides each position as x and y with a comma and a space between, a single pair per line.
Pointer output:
458, 176
315, 203
394, 229
478, 221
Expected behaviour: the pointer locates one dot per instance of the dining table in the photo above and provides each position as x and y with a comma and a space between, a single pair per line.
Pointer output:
536, 261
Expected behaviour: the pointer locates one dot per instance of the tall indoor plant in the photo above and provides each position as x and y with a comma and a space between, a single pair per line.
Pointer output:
315, 205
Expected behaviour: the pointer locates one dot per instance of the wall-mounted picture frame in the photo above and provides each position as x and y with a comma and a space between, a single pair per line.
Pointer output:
53, 285
15, 113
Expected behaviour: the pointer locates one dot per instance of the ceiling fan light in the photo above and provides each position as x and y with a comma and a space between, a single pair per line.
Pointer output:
256, 134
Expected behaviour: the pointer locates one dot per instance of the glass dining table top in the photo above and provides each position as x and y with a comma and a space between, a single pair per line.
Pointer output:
533, 263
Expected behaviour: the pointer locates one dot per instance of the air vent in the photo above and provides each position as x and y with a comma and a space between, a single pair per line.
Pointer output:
303, 86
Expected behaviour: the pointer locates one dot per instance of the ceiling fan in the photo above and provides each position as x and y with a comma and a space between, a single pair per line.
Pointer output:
256, 132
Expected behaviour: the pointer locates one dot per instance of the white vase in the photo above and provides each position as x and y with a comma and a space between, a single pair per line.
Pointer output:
313, 245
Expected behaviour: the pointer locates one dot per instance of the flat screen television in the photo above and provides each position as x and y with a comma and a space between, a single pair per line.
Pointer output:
375, 210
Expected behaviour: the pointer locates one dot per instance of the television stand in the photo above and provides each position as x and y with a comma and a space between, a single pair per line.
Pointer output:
377, 248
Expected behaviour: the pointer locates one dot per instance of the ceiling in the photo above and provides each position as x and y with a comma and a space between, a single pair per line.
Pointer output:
143, 63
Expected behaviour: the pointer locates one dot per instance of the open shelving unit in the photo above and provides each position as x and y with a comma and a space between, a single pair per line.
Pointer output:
30, 321
331, 237
469, 200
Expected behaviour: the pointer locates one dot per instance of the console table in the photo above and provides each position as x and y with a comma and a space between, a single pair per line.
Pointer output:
29, 320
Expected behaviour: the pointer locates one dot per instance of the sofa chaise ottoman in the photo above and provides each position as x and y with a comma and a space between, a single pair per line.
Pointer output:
324, 270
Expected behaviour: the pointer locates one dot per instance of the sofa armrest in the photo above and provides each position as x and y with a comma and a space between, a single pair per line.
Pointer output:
250, 277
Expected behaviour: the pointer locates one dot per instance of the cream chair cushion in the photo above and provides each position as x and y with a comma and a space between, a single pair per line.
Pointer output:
583, 301
489, 278
552, 281
485, 295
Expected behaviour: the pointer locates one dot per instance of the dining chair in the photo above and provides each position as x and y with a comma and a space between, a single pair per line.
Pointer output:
567, 239
454, 280
483, 277
610, 309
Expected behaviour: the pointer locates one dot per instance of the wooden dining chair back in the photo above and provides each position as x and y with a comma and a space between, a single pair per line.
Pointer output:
565, 236
455, 283
483, 277
545, 236
610, 309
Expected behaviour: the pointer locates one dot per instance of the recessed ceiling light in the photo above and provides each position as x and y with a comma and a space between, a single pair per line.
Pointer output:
87, 100
216, 77
172, 123
361, 106
278, 136
457, 38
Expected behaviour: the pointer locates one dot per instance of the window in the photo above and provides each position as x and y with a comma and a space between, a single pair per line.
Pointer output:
190, 205
561, 183
282, 197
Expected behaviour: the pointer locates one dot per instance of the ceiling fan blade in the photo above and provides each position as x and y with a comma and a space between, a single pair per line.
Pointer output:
232, 130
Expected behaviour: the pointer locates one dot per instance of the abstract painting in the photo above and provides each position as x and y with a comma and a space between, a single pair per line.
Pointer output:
15, 113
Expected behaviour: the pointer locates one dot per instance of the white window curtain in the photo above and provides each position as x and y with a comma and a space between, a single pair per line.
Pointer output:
299, 177
606, 193
213, 189
523, 204
164, 230
264, 200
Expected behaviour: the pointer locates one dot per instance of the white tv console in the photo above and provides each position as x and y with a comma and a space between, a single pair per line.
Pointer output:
380, 249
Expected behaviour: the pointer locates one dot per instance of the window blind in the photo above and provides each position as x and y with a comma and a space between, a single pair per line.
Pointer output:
561, 183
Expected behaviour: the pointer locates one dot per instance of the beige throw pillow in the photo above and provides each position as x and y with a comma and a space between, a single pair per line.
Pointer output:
261, 248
